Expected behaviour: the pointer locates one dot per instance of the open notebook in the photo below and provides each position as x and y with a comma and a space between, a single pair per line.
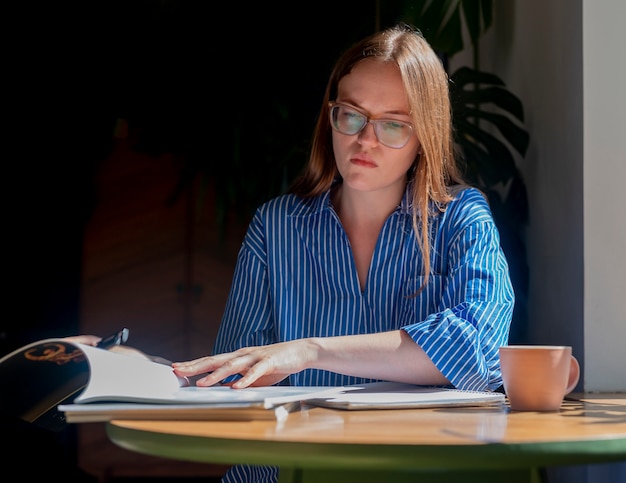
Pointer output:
55, 381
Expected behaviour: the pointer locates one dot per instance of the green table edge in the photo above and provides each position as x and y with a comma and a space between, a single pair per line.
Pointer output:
368, 457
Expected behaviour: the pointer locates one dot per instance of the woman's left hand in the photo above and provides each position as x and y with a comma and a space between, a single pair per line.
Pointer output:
85, 339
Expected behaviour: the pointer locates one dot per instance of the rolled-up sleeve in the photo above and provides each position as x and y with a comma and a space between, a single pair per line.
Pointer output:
476, 299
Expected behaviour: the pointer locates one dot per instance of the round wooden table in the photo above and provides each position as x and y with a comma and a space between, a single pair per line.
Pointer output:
446, 444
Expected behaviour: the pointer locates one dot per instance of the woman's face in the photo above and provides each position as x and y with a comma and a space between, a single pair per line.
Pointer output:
365, 164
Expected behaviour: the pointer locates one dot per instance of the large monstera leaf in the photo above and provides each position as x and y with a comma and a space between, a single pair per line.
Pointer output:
483, 106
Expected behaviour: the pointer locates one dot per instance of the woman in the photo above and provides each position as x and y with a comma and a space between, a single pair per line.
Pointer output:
380, 264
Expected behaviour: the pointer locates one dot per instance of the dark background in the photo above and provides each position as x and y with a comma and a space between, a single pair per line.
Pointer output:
179, 73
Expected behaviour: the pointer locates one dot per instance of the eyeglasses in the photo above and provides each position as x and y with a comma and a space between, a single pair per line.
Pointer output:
348, 120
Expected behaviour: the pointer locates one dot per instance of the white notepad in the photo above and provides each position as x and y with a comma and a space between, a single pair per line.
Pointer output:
393, 395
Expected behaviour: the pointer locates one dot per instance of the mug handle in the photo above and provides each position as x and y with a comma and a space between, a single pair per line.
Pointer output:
574, 375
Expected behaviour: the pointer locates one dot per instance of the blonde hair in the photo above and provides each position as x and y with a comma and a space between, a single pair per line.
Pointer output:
425, 80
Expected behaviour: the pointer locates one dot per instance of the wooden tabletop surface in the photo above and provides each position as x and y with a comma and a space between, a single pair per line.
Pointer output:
590, 418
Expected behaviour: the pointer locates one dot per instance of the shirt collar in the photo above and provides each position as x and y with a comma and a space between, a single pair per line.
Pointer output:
319, 204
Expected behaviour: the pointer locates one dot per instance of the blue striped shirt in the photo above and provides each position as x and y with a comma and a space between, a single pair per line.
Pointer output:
295, 277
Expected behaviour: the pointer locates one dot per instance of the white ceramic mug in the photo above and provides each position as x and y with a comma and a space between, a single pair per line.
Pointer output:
537, 377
